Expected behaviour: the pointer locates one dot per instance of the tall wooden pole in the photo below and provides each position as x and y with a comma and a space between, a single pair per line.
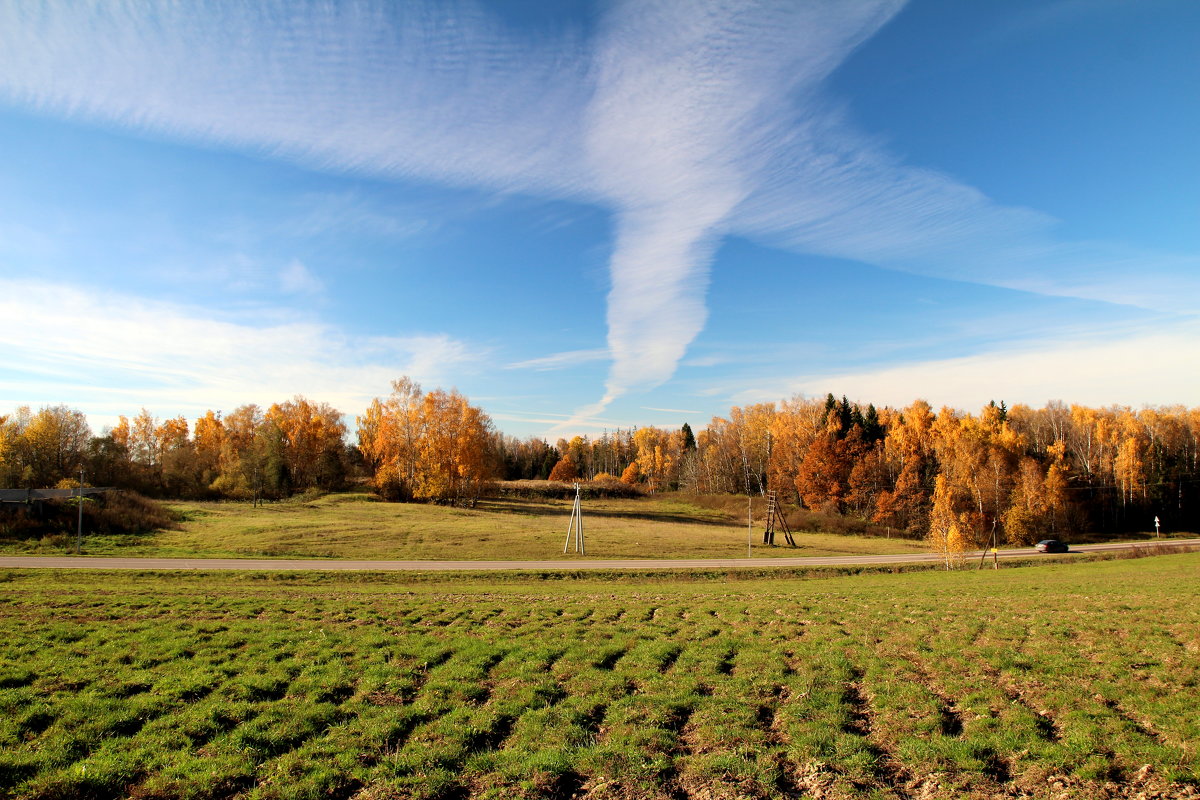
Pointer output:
575, 526
79, 531
579, 523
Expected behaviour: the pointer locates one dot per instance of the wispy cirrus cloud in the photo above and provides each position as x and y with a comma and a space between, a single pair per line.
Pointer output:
569, 358
838, 193
316, 214
175, 359
428, 90
554, 422
672, 410
688, 120
295, 278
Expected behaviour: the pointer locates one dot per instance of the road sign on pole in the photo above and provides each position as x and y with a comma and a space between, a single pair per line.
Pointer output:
1156, 529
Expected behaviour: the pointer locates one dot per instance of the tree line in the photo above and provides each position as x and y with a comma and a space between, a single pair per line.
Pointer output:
290, 446
1004, 474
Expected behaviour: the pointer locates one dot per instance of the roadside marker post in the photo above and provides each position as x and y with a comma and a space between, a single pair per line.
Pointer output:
995, 551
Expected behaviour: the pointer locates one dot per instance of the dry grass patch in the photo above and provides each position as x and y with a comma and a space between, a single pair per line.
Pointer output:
356, 526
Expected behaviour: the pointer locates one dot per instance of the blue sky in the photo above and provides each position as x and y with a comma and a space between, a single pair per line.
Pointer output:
599, 215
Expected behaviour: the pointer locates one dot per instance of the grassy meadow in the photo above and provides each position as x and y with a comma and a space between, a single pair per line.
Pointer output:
1050, 681
357, 526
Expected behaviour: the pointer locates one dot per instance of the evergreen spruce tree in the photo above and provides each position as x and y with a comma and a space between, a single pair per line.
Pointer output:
689, 439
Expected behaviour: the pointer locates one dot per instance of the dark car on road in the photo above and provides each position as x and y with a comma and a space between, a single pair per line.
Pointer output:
1052, 546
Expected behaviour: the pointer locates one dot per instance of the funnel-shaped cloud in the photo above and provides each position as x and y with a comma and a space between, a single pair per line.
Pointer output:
691, 100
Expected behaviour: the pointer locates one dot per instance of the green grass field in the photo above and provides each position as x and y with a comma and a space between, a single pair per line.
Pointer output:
1059, 680
354, 526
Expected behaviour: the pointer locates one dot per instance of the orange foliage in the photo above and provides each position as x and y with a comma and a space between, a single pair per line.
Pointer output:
433, 446
564, 470
312, 432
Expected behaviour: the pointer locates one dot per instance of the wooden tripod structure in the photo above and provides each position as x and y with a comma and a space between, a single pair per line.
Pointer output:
775, 519
575, 526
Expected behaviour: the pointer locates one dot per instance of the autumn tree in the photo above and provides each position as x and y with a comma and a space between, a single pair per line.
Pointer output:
242, 461
6, 444
13, 472
427, 446
794, 427
947, 523
312, 436
613, 451
735, 453
208, 439
578, 450
565, 470
143, 439
823, 476
50, 444
908, 454
658, 453
455, 460
868, 479
826, 478
977, 458
1038, 504
178, 472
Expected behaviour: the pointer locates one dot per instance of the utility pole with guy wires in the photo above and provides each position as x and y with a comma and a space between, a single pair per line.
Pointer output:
575, 526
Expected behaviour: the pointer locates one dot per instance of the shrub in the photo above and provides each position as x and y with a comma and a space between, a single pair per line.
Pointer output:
128, 512
798, 519
553, 490
114, 512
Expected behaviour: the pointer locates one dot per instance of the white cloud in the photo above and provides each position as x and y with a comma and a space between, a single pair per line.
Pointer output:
838, 193
671, 410
432, 90
706, 361
1147, 366
689, 120
563, 360
351, 213
687, 101
563, 425
656, 119
296, 278
111, 354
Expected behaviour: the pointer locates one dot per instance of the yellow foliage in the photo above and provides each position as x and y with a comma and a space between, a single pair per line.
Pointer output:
431, 446
310, 430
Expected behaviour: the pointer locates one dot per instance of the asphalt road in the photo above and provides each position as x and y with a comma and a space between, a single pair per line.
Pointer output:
330, 565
